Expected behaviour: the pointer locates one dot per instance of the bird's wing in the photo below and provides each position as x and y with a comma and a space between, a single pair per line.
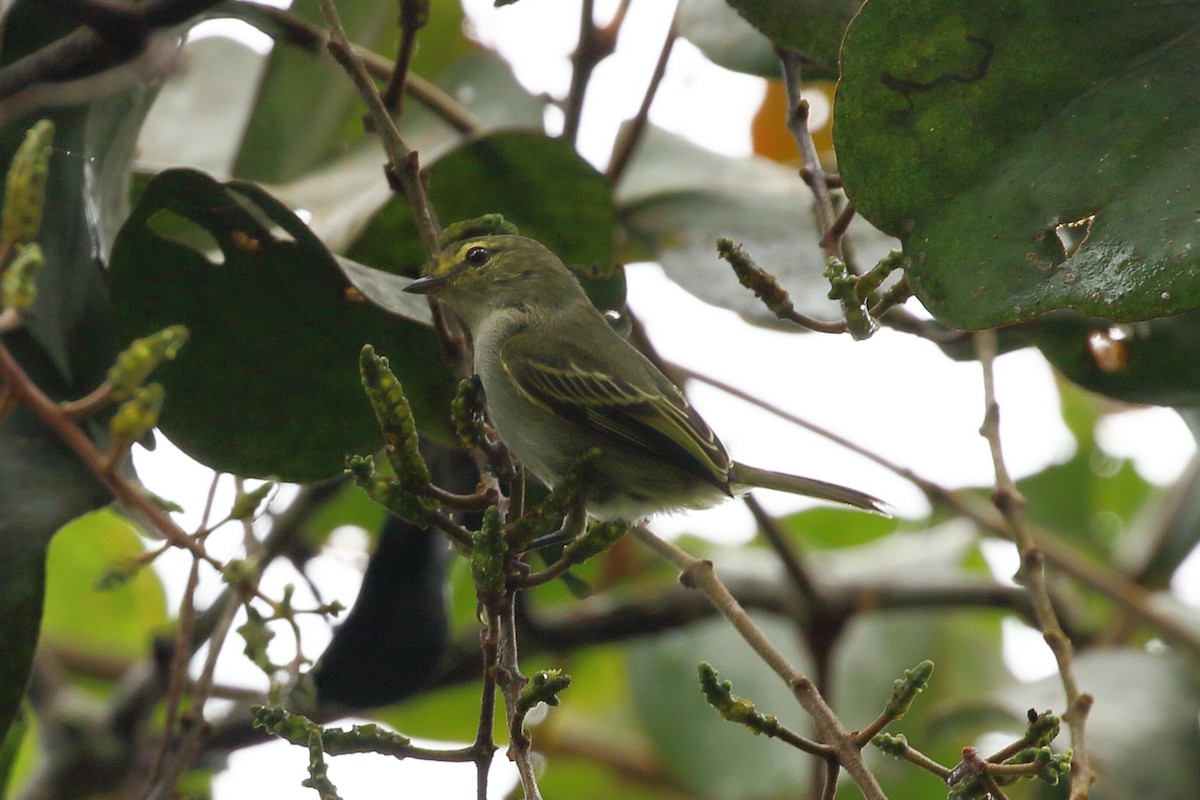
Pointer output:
657, 420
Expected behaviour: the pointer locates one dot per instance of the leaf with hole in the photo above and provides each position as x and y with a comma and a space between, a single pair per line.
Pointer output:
1029, 156
268, 383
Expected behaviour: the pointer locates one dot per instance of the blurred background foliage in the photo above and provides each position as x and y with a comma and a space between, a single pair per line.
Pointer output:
1033, 186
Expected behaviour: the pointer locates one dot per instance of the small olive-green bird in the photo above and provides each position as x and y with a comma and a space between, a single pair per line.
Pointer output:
560, 381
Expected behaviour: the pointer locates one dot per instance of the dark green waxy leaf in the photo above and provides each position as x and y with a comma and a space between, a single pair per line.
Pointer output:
676, 199
268, 382
1030, 157
537, 183
1152, 361
812, 28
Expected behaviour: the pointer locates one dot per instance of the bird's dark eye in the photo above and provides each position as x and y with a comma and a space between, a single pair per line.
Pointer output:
477, 256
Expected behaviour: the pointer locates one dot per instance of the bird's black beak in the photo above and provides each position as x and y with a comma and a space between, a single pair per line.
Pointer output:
430, 284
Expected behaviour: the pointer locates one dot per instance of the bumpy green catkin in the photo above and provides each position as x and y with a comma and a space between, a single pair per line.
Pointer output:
25, 187
395, 420
141, 357
18, 287
138, 415
488, 551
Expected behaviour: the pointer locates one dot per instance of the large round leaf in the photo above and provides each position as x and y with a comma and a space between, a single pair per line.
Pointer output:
82, 615
268, 383
1030, 156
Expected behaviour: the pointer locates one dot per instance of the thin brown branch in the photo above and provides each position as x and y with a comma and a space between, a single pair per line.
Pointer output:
117, 33
23, 389
766, 288
485, 746
810, 159
511, 681
914, 756
413, 14
286, 27
699, 574
1134, 599
1031, 574
177, 677
829, 786
631, 133
596, 43
797, 572
403, 169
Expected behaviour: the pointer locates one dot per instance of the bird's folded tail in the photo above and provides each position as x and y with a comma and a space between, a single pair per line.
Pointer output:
742, 477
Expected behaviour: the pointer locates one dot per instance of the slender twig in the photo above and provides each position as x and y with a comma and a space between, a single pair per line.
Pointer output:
412, 14
832, 770
403, 168
23, 389
699, 574
177, 674
485, 746
838, 229
767, 289
511, 681
915, 756
286, 27
797, 572
631, 133
596, 43
814, 173
546, 575
1031, 574
121, 33
189, 747
1128, 595
460, 502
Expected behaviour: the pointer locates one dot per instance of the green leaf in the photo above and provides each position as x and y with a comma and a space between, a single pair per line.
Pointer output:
1106, 496
981, 133
812, 28
114, 623
267, 384
838, 527
709, 756
198, 118
677, 199
17, 755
